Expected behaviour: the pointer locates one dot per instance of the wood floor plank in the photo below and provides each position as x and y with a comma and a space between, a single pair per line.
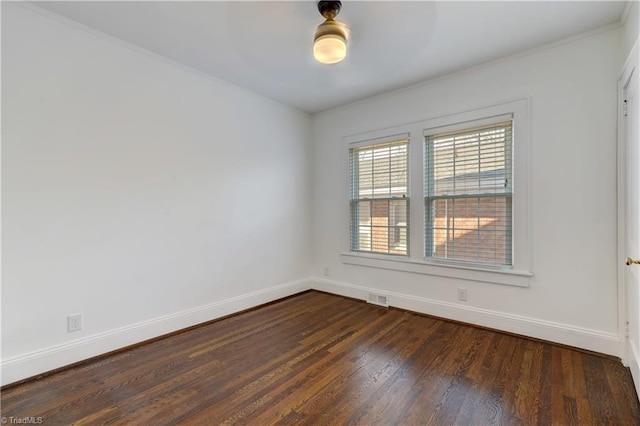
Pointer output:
321, 359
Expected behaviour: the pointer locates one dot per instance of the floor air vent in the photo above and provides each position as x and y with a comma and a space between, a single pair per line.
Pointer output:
379, 300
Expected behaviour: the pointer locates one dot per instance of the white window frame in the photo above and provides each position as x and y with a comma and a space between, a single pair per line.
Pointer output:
372, 143
463, 127
519, 272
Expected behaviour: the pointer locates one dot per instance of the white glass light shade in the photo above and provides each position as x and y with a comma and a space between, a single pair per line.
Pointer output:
330, 49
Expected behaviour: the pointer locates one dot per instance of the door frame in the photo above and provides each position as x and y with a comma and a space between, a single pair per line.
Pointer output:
631, 66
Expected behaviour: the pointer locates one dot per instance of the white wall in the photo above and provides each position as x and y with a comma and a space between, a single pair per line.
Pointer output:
572, 297
138, 193
148, 197
630, 29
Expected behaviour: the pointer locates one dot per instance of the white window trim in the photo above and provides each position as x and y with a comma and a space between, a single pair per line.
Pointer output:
519, 273
370, 143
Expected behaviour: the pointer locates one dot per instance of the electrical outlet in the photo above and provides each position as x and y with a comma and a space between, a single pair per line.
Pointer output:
326, 271
74, 323
462, 294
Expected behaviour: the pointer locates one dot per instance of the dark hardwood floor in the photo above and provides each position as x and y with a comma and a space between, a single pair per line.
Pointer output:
322, 359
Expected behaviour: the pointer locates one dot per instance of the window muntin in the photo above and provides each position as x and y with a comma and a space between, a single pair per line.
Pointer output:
468, 194
379, 198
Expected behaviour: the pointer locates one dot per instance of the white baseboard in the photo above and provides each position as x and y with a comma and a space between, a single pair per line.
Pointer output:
31, 364
633, 361
593, 340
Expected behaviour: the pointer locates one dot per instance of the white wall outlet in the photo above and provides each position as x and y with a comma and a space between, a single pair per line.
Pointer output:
326, 271
74, 323
462, 294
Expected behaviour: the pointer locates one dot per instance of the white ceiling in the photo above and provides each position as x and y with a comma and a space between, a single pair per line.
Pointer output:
266, 46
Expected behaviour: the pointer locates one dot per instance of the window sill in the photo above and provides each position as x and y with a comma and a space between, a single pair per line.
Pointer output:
463, 272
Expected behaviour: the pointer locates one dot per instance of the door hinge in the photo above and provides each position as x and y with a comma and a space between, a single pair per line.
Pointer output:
625, 108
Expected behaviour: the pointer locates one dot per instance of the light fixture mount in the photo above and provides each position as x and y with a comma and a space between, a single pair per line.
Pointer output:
330, 41
329, 9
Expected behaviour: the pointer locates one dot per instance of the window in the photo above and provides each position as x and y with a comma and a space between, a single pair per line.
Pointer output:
471, 170
379, 197
468, 194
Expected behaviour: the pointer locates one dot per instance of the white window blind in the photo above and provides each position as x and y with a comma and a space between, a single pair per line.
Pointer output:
379, 197
468, 194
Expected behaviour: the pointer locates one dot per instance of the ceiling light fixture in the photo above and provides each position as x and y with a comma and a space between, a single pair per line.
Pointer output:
330, 41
